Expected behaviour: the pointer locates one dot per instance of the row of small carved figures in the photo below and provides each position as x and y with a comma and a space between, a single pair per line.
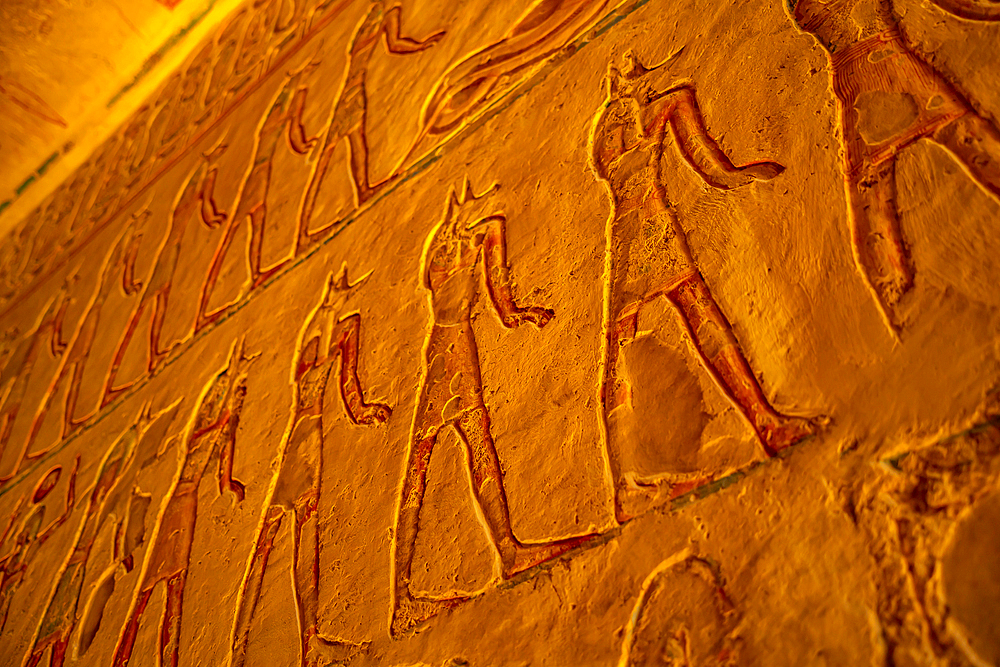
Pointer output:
116, 504
632, 109
881, 252
245, 49
327, 344
249, 46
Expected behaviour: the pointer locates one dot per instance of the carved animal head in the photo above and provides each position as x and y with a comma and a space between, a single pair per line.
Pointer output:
466, 209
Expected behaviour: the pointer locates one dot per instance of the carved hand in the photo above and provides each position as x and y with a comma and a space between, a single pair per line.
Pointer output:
762, 171
237, 488
433, 39
215, 220
536, 315
377, 413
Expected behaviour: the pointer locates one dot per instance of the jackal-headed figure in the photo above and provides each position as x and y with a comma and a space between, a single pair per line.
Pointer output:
451, 394
889, 98
20, 361
283, 118
210, 435
348, 120
196, 198
328, 343
112, 499
647, 257
118, 269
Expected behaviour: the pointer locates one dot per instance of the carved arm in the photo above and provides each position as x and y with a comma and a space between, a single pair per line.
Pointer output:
345, 340
497, 274
394, 43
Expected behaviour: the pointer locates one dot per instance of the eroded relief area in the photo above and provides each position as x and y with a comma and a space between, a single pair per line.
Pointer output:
552, 332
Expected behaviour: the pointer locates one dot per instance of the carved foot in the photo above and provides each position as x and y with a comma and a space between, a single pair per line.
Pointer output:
264, 276
787, 431
527, 556
635, 498
410, 612
322, 652
890, 293
364, 194
631, 500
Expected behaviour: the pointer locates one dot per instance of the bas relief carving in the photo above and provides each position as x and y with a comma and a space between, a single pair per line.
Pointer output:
180, 294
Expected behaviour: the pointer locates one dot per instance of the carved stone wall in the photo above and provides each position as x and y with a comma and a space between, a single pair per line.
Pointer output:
565, 332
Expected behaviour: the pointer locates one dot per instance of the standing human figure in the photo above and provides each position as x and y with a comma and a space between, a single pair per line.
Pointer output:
283, 117
647, 257
889, 98
118, 268
30, 536
348, 119
196, 198
451, 394
329, 335
17, 370
110, 496
210, 435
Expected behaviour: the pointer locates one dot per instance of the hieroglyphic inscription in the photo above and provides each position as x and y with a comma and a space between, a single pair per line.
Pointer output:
29, 101
647, 257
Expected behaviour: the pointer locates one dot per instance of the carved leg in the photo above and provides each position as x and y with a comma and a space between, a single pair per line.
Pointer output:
170, 629
976, 143
7, 425
488, 490
316, 649
5, 599
249, 594
43, 410
58, 645
126, 641
409, 611
305, 237
630, 500
632, 496
72, 423
110, 391
878, 245
257, 276
204, 317
721, 354
156, 353
359, 164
